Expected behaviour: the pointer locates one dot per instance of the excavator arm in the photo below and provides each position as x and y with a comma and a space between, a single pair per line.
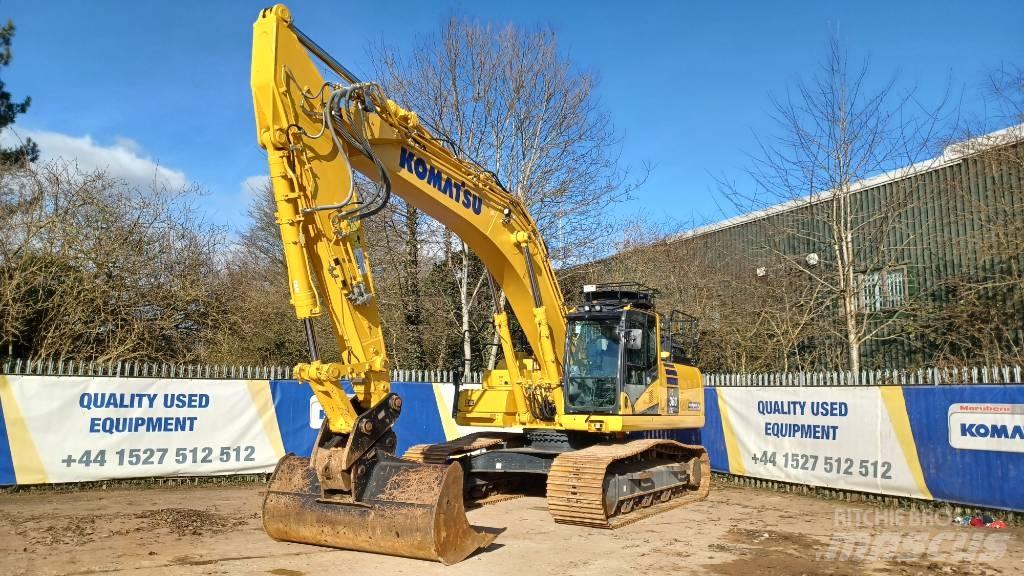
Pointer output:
316, 133
352, 493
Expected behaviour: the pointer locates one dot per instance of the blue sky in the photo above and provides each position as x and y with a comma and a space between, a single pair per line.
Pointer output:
128, 85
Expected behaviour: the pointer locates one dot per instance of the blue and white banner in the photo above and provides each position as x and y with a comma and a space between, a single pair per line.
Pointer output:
849, 438
76, 429
962, 444
72, 429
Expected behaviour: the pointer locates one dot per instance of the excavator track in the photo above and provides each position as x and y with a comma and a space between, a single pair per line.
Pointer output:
492, 499
447, 452
577, 486
444, 452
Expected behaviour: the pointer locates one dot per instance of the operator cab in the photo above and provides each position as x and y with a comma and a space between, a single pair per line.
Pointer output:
612, 347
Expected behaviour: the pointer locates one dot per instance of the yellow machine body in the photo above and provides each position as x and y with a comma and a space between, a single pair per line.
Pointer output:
351, 492
673, 400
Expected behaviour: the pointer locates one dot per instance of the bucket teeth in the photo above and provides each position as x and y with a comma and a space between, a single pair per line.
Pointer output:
407, 509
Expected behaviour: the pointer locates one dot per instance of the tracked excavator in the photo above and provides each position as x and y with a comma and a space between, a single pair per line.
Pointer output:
571, 409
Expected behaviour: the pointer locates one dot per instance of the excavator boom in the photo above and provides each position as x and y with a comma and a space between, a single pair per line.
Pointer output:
351, 492
591, 376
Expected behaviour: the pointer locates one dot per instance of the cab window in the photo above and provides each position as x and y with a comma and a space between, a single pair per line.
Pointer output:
592, 366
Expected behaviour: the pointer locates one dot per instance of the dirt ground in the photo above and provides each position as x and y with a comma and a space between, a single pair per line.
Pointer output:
737, 531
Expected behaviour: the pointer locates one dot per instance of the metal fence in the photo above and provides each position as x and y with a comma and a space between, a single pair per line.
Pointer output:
134, 369
921, 377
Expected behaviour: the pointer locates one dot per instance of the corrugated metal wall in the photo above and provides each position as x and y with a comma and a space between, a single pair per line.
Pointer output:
959, 219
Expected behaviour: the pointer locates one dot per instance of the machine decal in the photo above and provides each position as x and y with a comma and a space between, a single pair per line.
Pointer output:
673, 400
457, 191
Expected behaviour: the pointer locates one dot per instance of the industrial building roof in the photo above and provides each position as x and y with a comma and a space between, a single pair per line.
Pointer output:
950, 155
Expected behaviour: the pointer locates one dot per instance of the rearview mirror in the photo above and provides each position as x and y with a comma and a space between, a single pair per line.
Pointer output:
634, 338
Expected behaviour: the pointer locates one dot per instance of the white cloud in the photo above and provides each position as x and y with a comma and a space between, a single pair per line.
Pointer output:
252, 185
129, 145
123, 159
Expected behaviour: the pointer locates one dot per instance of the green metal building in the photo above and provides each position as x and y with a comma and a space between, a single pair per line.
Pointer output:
937, 268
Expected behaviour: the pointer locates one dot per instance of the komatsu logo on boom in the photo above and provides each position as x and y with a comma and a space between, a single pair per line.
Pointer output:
457, 191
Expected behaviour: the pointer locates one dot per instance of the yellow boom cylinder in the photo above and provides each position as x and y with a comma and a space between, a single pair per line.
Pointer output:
289, 219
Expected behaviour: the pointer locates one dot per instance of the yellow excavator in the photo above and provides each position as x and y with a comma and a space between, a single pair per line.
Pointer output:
571, 405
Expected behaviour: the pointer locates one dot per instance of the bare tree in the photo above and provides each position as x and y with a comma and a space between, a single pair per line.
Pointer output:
510, 101
1005, 88
91, 267
836, 132
257, 324
974, 314
396, 248
747, 323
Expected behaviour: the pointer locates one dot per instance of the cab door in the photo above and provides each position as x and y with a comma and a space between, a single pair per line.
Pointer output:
640, 365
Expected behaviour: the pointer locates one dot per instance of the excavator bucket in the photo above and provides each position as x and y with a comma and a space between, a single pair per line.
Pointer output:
407, 509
